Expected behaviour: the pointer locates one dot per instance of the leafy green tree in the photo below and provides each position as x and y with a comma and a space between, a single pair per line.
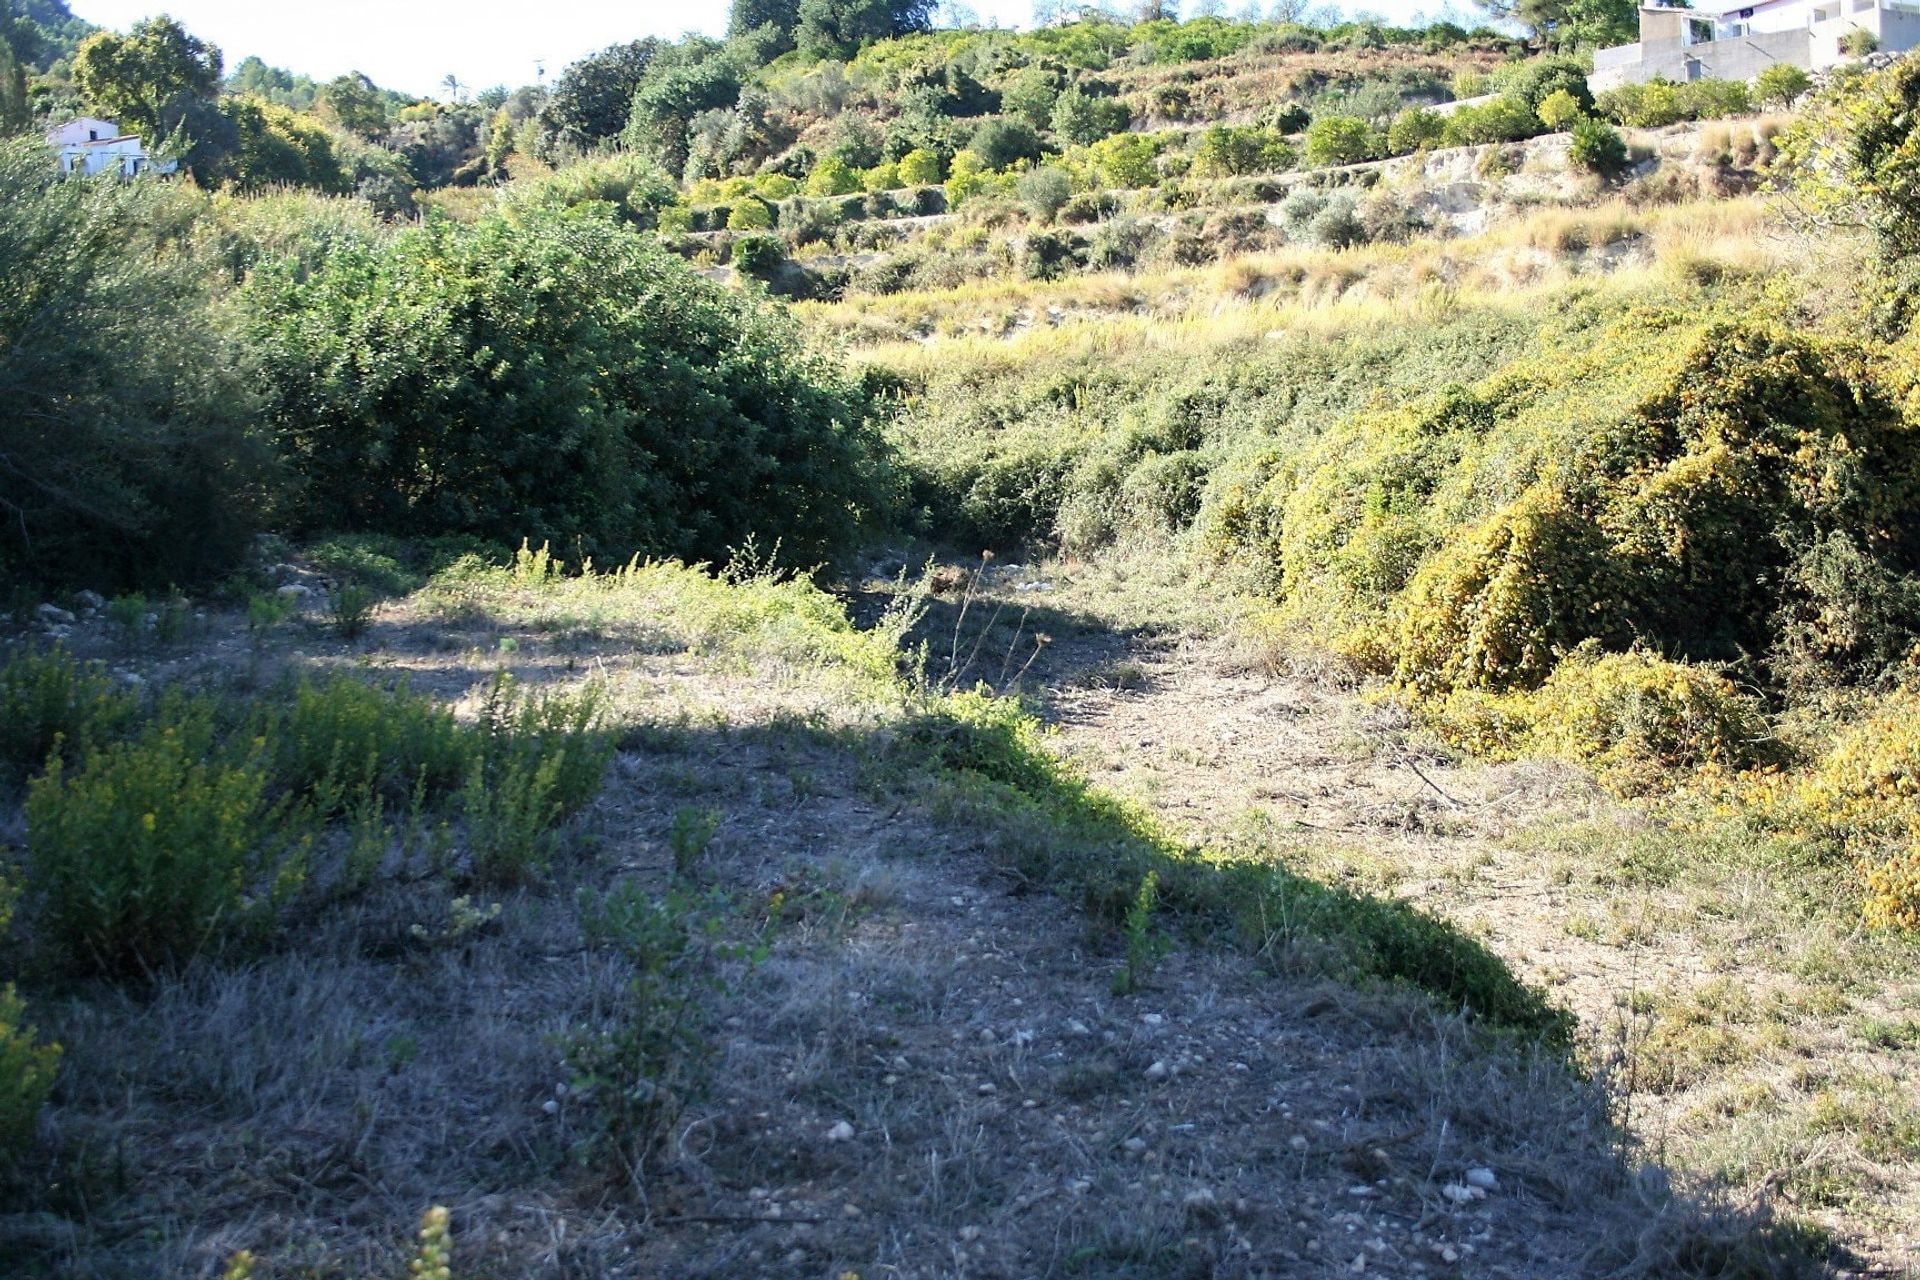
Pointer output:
356, 104
750, 214
1081, 118
1030, 93
1781, 85
832, 177
18, 41
783, 16
1228, 150
683, 81
1415, 129
266, 145
1559, 110
555, 375
1125, 160
1044, 191
1335, 140
841, 28
149, 78
592, 99
1003, 143
919, 168
127, 450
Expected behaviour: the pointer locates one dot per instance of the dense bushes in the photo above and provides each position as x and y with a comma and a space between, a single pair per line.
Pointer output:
127, 442
552, 373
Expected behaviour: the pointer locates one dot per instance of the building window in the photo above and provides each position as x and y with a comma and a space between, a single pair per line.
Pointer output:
1699, 30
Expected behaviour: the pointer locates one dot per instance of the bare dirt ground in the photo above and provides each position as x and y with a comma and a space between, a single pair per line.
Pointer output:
929, 1075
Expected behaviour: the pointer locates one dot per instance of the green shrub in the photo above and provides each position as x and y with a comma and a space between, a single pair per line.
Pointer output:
1535, 81
1080, 118
129, 436
27, 1070
1415, 129
1002, 143
919, 167
759, 256
1507, 118
351, 606
750, 215
1648, 105
1560, 110
1337, 140
832, 176
1044, 191
1226, 151
1597, 148
52, 700
339, 737
561, 376
155, 849
1781, 85
1859, 42
1710, 99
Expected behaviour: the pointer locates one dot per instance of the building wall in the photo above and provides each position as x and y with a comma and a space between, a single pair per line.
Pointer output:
1741, 58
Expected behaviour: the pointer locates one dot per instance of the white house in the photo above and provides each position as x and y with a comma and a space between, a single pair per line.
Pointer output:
92, 146
1738, 41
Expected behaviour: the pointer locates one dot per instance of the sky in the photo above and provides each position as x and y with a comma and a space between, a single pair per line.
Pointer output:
413, 45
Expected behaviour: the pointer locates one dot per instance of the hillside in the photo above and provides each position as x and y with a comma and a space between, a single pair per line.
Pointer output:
1162, 649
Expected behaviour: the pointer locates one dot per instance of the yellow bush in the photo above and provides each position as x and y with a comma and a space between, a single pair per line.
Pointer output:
1893, 890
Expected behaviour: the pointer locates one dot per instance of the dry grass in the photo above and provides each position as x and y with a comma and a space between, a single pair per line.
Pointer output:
1001, 323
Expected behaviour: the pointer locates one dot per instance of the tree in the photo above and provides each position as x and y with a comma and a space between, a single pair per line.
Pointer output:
356, 104
1004, 143
841, 28
919, 168
19, 42
127, 450
1340, 140
682, 81
593, 98
1044, 191
1415, 129
1030, 93
1781, 85
748, 16
149, 78
832, 177
1559, 110
1081, 118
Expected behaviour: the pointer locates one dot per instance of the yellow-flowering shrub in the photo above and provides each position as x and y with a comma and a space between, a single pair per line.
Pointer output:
26, 1077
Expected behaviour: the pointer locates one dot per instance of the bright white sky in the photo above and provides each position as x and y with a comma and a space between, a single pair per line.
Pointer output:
412, 45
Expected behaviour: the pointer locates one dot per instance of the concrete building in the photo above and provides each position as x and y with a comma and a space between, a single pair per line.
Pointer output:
93, 146
1738, 43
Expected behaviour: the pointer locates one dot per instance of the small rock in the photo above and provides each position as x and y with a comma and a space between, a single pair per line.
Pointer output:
969, 1234
52, 615
1152, 1019
1358, 1265
1134, 1146
842, 1132
1158, 1071
797, 1257
1298, 1142
1075, 1027
550, 1106
294, 594
1449, 1254
987, 1090
92, 601
1483, 1179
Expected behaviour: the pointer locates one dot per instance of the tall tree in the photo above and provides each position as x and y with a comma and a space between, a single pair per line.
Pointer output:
841, 28
151, 77
356, 104
751, 15
16, 51
593, 97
